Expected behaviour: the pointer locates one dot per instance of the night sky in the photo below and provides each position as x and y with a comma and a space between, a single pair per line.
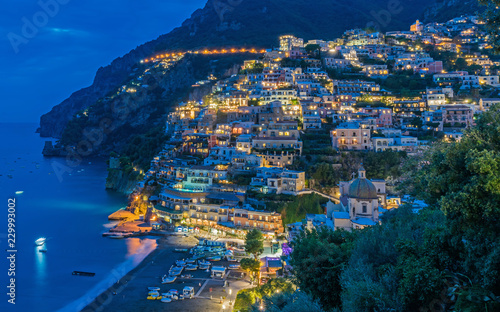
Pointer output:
68, 48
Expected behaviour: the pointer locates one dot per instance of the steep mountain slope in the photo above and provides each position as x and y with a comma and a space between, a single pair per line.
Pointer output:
242, 22
444, 10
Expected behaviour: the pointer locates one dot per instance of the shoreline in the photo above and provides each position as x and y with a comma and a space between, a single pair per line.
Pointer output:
164, 249
98, 303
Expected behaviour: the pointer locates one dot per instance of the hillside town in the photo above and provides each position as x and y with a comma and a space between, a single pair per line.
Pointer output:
255, 138
253, 124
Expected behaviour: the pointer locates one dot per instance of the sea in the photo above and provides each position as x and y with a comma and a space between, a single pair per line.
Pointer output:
68, 205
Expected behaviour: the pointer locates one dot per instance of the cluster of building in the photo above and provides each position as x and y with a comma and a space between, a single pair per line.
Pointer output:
247, 133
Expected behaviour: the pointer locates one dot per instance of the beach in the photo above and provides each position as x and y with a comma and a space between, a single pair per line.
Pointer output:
129, 294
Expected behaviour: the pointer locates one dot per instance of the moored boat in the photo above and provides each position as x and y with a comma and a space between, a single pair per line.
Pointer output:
168, 279
40, 241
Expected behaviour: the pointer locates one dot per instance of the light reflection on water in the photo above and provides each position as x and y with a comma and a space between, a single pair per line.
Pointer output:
41, 265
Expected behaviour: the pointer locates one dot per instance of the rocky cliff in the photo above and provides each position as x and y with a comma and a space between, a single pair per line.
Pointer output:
241, 22
444, 10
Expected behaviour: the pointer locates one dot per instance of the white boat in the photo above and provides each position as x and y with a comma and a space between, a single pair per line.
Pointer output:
191, 267
166, 300
19, 192
175, 271
168, 279
153, 293
154, 288
40, 241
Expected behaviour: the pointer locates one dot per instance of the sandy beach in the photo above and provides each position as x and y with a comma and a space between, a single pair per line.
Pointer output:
129, 294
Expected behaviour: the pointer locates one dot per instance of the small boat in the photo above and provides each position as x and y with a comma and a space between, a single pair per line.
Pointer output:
153, 293
191, 261
191, 267
83, 273
154, 288
166, 300
40, 241
42, 250
215, 258
116, 236
168, 279
180, 263
19, 192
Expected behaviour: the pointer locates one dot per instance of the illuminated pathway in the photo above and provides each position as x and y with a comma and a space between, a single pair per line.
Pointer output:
167, 54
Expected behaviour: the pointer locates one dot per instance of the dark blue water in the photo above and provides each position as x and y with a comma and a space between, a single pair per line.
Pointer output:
71, 210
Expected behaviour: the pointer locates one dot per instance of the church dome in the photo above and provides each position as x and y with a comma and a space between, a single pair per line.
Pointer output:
362, 188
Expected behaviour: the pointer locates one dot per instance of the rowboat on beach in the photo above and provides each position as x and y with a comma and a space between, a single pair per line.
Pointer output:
168, 279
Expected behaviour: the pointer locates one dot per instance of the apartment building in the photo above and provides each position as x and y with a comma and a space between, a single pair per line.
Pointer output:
351, 136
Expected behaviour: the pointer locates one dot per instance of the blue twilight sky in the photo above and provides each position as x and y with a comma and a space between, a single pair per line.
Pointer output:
69, 46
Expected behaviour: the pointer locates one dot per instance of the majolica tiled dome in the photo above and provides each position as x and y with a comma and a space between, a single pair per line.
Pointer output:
362, 188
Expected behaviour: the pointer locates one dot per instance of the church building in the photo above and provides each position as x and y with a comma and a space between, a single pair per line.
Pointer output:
360, 203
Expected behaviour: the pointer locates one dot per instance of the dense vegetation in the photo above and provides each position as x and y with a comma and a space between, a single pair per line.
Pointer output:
445, 257
379, 165
248, 297
142, 148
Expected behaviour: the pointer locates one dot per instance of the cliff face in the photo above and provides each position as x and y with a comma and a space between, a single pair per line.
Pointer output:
118, 181
444, 10
241, 22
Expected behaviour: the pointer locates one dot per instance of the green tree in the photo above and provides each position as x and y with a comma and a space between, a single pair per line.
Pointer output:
463, 180
288, 302
244, 300
251, 265
313, 50
254, 243
318, 258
